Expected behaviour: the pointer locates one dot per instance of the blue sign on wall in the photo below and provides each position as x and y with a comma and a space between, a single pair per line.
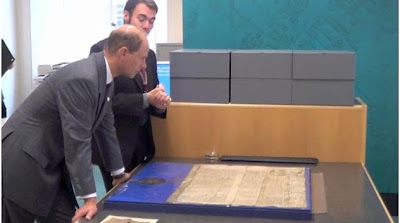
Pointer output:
163, 74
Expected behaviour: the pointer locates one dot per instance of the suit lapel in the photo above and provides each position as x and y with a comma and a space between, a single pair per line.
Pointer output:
101, 70
139, 82
138, 78
105, 104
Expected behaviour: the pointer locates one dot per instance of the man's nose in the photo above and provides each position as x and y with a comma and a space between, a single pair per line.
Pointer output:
144, 65
145, 25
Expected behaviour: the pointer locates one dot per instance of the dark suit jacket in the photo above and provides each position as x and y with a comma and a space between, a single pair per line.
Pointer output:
129, 113
52, 129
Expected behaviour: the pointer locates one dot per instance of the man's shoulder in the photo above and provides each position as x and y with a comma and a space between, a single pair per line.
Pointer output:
86, 67
99, 46
151, 58
151, 54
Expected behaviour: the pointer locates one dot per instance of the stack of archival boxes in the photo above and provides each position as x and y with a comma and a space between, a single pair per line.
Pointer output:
263, 77
200, 75
323, 77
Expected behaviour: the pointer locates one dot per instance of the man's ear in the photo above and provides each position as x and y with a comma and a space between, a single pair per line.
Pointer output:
126, 17
122, 52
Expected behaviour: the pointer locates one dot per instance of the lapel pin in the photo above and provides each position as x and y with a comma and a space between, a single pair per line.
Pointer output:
108, 98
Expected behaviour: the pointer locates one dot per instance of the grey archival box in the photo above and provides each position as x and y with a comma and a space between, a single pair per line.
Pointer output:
261, 64
200, 63
200, 75
261, 91
323, 92
204, 90
326, 65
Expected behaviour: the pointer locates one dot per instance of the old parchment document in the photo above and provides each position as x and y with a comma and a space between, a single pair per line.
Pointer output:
240, 185
120, 219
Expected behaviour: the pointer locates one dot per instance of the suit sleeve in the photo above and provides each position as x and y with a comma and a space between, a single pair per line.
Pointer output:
77, 104
152, 72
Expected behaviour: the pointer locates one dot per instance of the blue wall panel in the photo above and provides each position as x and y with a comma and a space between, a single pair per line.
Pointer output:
367, 27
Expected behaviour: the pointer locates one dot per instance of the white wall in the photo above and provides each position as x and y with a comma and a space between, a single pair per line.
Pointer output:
175, 20
160, 30
64, 30
65, 35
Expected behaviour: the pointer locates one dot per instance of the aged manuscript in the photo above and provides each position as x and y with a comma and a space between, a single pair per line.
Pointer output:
242, 185
120, 219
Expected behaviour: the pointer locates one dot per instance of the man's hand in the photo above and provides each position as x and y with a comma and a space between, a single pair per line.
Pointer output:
126, 177
159, 98
88, 210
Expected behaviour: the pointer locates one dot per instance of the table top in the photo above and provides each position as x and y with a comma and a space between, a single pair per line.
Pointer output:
350, 197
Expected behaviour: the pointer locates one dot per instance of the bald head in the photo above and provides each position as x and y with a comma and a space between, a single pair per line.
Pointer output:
127, 36
126, 51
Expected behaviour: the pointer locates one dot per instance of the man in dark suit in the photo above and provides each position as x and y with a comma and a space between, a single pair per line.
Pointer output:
46, 143
136, 99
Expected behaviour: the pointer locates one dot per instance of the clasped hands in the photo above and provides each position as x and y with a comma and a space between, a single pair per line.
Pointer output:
158, 97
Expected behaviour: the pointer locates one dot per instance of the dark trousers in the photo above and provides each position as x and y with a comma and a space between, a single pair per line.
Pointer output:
137, 157
107, 178
62, 212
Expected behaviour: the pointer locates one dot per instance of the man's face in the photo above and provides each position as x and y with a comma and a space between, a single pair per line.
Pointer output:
136, 61
142, 16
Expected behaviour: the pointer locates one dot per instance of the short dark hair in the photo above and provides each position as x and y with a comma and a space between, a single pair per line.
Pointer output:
118, 39
131, 5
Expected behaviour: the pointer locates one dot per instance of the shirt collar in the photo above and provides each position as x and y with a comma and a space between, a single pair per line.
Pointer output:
109, 77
